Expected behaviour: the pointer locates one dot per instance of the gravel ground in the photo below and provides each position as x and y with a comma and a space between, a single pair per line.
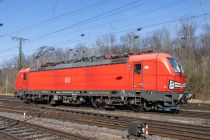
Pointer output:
94, 132
198, 101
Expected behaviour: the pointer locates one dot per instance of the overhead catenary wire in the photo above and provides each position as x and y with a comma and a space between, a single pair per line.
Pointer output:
152, 10
55, 7
6, 50
97, 36
115, 32
126, 18
87, 20
131, 29
71, 13
120, 11
146, 12
144, 27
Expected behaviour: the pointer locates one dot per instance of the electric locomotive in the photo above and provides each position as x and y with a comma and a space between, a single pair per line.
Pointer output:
139, 81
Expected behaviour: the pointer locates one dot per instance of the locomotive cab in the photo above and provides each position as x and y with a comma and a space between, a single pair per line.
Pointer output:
177, 81
178, 77
21, 82
159, 79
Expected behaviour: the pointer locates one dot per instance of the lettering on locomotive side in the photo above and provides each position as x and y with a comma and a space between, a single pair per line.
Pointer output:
67, 80
146, 67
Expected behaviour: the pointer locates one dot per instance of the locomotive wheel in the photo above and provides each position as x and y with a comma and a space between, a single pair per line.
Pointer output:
94, 104
137, 108
175, 112
52, 101
26, 101
109, 107
146, 108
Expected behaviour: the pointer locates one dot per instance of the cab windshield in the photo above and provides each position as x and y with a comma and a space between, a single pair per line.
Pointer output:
175, 65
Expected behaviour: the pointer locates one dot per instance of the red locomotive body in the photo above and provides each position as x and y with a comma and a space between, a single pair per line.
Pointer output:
153, 80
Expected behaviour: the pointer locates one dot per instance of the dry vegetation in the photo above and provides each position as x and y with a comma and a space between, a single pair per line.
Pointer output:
190, 44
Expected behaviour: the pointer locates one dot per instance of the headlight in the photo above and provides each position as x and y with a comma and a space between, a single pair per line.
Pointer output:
171, 84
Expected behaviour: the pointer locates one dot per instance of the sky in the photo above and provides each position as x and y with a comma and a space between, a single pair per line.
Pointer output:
60, 23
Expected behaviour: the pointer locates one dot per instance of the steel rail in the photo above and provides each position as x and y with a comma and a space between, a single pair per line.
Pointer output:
162, 128
14, 131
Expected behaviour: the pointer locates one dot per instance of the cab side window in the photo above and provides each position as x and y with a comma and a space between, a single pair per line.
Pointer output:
137, 68
24, 76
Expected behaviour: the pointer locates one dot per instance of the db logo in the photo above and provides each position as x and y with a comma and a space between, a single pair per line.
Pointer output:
67, 80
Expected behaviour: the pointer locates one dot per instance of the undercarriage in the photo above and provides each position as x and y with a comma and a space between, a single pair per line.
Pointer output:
136, 101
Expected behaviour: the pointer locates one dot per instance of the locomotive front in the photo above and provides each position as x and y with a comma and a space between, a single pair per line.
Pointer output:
160, 82
177, 80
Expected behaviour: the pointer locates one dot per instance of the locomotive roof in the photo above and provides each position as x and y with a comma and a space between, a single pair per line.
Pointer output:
150, 56
81, 64
25, 70
101, 61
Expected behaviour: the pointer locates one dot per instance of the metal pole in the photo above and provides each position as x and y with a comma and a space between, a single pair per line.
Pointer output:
6, 84
20, 54
21, 40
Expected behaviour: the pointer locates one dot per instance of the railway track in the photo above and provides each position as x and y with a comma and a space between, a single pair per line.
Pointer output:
195, 114
11, 129
197, 106
185, 111
162, 128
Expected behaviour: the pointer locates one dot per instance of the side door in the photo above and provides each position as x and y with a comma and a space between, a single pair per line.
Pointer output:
138, 76
24, 81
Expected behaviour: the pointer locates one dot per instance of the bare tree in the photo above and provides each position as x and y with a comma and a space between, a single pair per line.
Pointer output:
130, 42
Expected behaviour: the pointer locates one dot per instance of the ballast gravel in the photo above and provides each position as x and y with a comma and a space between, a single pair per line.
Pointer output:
94, 132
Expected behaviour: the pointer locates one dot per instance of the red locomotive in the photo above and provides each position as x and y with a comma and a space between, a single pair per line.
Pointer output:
140, 80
